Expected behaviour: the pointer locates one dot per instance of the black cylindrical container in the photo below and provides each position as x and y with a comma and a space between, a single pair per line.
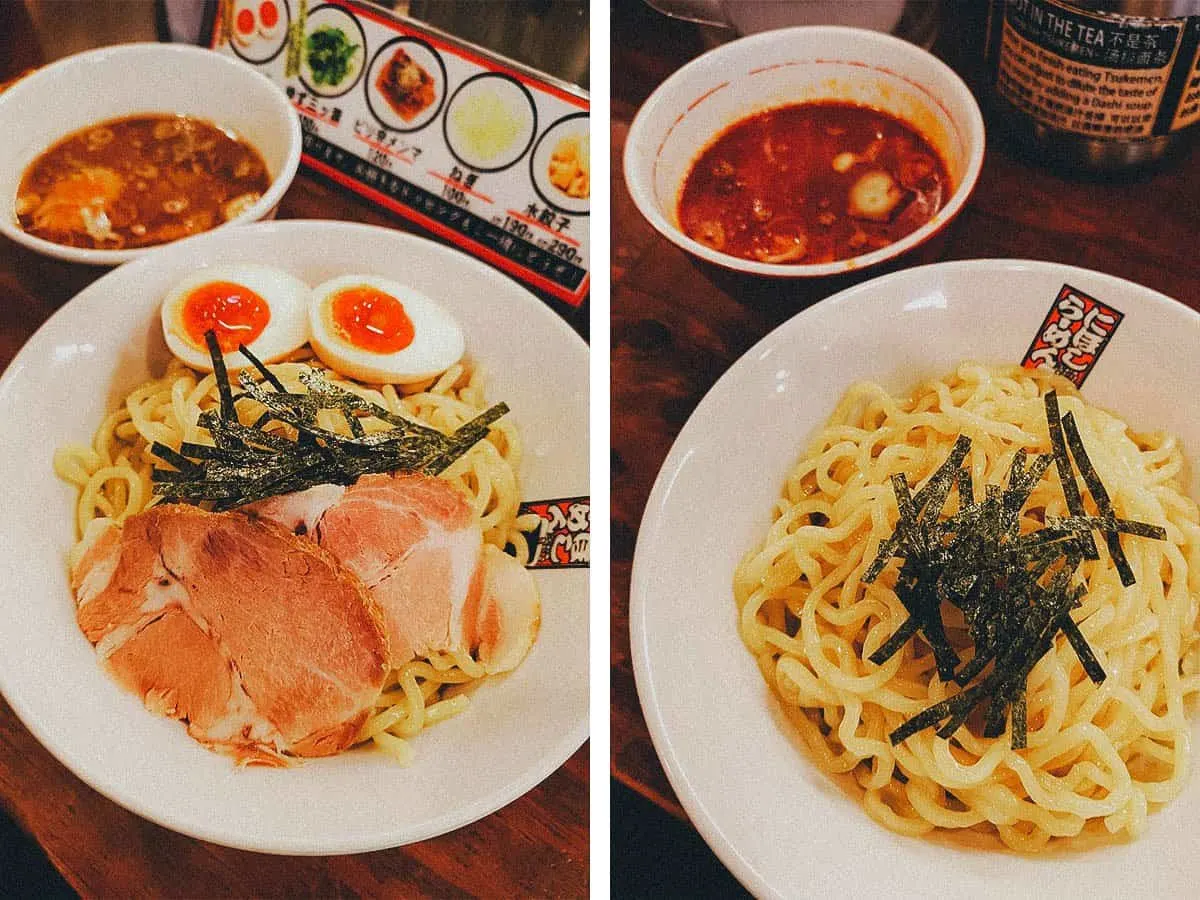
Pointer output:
1104, 85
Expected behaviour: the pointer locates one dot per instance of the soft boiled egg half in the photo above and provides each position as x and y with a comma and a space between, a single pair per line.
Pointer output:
264, 308
381, 331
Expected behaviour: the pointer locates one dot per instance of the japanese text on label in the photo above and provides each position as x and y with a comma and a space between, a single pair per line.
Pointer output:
562, 539
1073, 335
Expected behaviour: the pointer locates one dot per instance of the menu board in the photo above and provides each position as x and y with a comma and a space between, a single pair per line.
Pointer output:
478, 149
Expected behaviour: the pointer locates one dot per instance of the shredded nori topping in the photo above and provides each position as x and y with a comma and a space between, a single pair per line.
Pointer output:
249, 462
1015, 591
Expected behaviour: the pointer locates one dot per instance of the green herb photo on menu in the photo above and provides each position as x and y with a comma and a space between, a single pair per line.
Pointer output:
329, 53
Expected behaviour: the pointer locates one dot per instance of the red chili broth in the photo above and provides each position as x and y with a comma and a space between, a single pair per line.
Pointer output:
766, 188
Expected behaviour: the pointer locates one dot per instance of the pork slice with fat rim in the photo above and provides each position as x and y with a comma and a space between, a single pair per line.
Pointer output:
416, 544
259, 640
504, 627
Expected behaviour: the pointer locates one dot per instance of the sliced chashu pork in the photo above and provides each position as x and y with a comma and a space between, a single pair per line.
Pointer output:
257, 639
505, 624
416, 544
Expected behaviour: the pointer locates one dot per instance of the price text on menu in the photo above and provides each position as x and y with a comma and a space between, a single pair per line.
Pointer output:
479, 150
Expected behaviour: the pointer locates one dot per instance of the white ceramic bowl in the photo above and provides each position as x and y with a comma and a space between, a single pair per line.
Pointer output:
519, 727
782, 826
795, 65
129, 79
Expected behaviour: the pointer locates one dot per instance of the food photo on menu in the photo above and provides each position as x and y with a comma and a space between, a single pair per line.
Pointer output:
300, 567
906, 546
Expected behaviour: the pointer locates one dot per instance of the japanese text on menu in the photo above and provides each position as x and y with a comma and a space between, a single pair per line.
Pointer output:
479, 152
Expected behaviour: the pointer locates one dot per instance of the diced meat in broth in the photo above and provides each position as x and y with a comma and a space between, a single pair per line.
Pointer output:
139, 181
812, 183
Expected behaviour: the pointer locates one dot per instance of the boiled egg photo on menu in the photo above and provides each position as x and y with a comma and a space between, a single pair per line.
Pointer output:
381, 331
264, 308
255, 19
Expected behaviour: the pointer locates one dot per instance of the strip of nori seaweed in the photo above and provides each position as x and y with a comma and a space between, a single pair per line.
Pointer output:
931, 499
914, 589
1083, 649
1107, 523
269, 377
300, 411
978, 560
230, 434
1066, 475
934, 631
248, 463
1028, 642
346, 400
930, 716
220, 373
955, 721
892, 645
1099, 496
966, 491
1022, 481
206, 451
198, 491
944, 473
973, 667
267, 374
178, 460
993, 725
996, 618
1020, 723
464, 438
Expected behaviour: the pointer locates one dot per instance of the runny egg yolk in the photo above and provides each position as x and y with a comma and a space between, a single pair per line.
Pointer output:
233, 311
371, 320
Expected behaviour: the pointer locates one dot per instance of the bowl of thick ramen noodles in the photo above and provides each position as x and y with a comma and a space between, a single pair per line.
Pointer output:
476, 741
112, 152
805, 152
883, 454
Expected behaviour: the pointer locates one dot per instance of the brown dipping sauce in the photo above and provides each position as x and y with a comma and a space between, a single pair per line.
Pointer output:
812, 183
139, 181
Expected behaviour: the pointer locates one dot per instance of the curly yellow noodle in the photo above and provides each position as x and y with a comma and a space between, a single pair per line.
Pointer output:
398, 748
1099, 757
113, 479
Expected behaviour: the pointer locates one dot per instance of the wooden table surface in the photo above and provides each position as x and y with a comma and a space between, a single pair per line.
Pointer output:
676, 327
536, 846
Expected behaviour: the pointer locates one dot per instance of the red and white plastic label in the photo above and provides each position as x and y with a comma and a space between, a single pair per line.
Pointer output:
562, 539
1074, 333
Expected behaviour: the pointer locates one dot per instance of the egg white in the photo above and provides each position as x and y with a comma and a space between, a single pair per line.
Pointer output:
286, 297
438, 341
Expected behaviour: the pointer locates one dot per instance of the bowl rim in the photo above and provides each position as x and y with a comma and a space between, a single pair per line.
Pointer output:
114, 55
114, 785
642, 585
638, 177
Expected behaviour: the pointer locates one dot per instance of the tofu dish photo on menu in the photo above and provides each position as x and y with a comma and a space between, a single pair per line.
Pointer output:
905, 526
296, 306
